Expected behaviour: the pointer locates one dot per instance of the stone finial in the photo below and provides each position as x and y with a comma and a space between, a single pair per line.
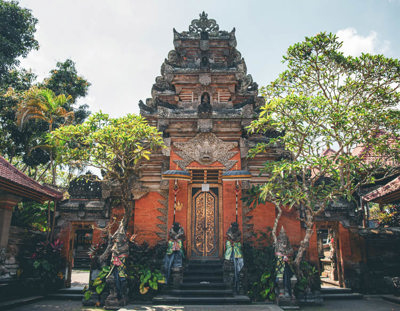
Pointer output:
203, 24
283, 247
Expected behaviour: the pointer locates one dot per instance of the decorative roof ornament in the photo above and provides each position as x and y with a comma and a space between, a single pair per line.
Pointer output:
203, 24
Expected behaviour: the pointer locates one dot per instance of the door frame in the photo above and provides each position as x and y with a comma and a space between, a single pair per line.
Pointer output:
333, 225
74, 225
220, 219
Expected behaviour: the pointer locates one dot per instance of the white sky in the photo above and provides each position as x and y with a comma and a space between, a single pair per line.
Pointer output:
119, 45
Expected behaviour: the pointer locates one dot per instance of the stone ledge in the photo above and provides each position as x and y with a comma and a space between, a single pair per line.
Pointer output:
19, 302
391, 298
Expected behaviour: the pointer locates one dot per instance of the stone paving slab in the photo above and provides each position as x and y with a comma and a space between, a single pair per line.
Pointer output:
374, 303
203, 308
368, 303
70, 305
18, 302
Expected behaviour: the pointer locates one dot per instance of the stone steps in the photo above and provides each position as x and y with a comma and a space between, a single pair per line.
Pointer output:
167, 299
72, 293
342, 296
336, 293
203, 283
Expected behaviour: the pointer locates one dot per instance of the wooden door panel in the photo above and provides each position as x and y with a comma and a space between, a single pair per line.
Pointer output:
204, 223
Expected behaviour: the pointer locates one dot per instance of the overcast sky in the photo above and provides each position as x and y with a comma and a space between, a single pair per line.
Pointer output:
119, 45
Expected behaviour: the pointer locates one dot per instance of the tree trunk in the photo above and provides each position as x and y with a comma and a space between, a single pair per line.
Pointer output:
48, 222
53, 169
53, 222
275, 227
305, 242
129, 204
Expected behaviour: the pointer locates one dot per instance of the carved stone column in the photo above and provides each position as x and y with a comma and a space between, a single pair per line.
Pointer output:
7, 203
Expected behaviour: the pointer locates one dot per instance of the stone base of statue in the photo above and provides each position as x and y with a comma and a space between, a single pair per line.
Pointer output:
177, 277
229, 277
228, 272
113, 302
283, 298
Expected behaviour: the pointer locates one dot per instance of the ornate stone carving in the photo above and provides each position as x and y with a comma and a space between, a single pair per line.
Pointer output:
206, 148
203, 24
205, 79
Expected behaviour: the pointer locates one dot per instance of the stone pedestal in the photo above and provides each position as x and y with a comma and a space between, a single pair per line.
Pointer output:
113, 302
177, 277
229, 277
283, 298
228, 272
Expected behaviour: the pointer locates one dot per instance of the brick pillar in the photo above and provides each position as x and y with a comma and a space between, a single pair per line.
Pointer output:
7, 203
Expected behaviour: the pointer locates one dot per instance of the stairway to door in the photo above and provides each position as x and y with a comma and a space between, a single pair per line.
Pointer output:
203, 283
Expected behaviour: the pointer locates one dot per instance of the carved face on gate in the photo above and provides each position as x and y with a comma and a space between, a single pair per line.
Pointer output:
206, 148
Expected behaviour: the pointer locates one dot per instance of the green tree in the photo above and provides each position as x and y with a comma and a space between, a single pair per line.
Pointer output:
64, 79
21, 146
43, 104
17, 29
117, 147
325, 99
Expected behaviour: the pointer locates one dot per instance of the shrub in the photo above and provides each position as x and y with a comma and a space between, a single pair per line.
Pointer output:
260, 263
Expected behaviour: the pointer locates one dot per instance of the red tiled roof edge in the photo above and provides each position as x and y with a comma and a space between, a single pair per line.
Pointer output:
384, 190
11, 174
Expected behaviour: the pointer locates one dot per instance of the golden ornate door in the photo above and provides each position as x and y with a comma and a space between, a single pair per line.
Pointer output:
204, 223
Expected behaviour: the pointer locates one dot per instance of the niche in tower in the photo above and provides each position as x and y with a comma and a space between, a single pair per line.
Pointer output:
205, 109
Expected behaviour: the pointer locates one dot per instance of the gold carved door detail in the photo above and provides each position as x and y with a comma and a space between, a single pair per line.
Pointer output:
205, 223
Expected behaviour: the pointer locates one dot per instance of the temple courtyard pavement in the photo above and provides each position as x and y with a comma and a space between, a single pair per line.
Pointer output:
368, 303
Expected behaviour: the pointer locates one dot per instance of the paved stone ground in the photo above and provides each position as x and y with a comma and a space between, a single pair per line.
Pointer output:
369, 303
70, 305
79, 278
366, 304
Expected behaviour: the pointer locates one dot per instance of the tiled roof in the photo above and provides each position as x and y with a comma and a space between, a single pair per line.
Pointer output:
14, 181
389, 190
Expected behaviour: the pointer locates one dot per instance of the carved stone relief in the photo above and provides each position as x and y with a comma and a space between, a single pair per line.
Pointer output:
205, 79
206, 148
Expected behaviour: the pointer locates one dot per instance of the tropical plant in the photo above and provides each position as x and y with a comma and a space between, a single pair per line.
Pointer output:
98, 284
46, 264
309, 280
390, 216
31, 215
43, 104
148, 278
117, 147
325, 99
259, 256
64, 79
143, 268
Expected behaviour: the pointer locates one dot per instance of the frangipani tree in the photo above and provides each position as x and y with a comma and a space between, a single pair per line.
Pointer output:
116, 146
325, 99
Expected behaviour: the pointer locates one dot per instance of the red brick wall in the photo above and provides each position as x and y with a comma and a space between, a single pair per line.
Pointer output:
146, 220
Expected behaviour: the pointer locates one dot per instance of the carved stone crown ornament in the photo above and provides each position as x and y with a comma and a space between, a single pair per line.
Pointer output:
206, 148
203, 24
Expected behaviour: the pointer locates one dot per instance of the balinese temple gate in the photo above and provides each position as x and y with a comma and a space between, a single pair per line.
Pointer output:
202, 103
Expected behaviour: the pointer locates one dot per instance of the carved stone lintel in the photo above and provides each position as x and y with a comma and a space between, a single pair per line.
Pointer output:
206, 148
